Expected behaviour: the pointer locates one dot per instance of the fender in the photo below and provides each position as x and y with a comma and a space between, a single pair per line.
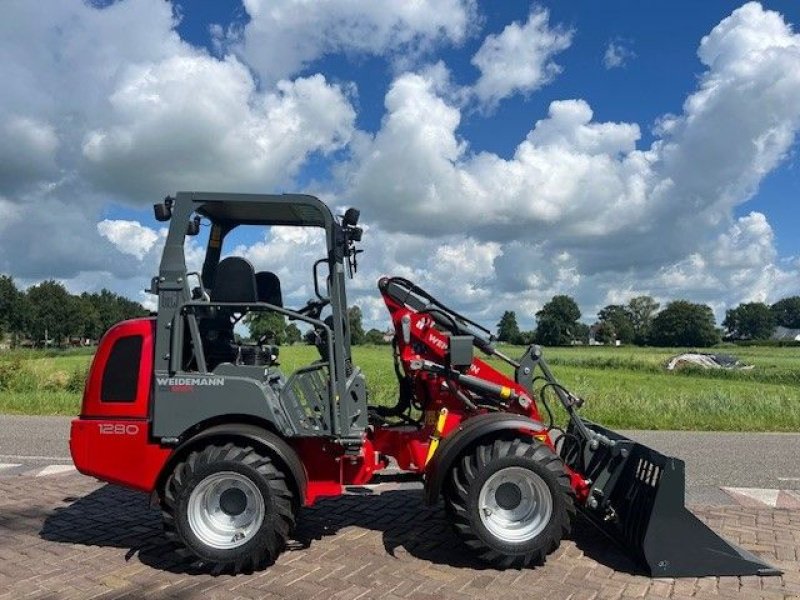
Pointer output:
464, 436
273, 443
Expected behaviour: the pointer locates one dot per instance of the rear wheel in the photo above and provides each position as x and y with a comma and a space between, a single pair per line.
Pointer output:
230, 507
510, 501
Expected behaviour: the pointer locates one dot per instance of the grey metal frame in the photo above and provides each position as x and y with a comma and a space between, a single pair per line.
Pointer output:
173, 413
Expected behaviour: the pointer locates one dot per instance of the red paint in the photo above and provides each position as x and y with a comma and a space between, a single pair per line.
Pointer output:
124, 458
329, 468
92, 405
428, 343
111, 441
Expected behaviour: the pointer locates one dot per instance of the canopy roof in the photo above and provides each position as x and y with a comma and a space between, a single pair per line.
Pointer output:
262, 209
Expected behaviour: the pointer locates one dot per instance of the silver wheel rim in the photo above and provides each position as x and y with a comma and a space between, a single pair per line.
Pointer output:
225, 510
515, 504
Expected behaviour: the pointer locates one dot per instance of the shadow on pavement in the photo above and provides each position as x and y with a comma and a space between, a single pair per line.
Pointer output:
121, 518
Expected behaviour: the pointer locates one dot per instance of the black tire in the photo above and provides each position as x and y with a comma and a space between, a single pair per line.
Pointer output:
473, 470
265, 541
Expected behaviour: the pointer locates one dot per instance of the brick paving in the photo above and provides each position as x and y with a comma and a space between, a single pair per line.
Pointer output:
68, 536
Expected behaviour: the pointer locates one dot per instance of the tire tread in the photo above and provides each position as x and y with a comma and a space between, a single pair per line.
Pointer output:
281, 496
466, 471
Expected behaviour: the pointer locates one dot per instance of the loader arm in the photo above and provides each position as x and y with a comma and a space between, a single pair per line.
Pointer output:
632, 493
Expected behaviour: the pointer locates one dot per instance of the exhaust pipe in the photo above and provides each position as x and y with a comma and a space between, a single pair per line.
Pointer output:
637, 499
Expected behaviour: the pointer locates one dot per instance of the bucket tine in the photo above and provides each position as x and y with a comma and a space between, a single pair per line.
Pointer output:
637, 498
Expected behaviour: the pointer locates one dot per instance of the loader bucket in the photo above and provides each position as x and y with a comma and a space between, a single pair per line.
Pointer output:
637, 499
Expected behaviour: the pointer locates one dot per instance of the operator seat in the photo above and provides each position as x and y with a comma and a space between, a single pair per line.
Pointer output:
234, 281
268, 287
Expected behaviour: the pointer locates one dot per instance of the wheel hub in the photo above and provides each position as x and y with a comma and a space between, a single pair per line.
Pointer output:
515, 504
508, 495
233, 501
225, 510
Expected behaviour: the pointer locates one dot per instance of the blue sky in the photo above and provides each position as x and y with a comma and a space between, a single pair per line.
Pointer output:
501, 151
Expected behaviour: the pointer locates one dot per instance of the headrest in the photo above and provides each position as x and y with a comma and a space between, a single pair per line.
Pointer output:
269, 288
234, 281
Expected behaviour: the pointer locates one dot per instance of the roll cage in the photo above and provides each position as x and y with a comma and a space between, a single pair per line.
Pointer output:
177, 305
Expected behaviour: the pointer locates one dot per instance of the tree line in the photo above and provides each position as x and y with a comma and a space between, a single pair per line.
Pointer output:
275, 327
48, 314
640, 322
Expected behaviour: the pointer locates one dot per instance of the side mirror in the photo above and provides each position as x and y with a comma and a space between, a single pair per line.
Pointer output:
193, 226
351, 216
163, 210
460, 353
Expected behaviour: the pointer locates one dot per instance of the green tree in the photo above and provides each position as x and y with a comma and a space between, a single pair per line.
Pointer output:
89, 324
684, 323
355, 318
787, 312
581, 333
604, 332
373, 336
642, 310
750, 321
618, 317
55, 314
549, 332
293, 334
557, 322
14, 308
526, 338
267, 324
508, 329
109, 309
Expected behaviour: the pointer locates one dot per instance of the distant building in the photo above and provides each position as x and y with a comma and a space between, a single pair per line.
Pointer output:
784, 334
593, 330
593, 335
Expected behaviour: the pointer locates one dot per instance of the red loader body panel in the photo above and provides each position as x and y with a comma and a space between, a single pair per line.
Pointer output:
111, 439
425, 341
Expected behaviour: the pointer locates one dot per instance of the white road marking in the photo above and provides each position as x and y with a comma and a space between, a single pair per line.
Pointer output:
7, 466
763, 496
54, 469
788, 478
33, 457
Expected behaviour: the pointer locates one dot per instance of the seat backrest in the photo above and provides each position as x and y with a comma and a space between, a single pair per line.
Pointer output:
269, 288
234, 281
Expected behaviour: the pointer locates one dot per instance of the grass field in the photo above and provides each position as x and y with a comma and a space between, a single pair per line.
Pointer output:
623, 387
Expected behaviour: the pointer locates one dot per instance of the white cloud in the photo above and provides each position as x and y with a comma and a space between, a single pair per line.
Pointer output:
520, 58
289, 252
740, 265
129, 237
110, 104
10, 213
629, 218
248, 140
284, 36
27, 151
617, 55
583, 179
569, 171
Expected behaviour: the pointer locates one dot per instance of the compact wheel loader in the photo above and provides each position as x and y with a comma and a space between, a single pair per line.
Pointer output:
230, 447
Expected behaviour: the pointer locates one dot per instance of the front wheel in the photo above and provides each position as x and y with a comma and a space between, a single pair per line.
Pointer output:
230, 507
510, 501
